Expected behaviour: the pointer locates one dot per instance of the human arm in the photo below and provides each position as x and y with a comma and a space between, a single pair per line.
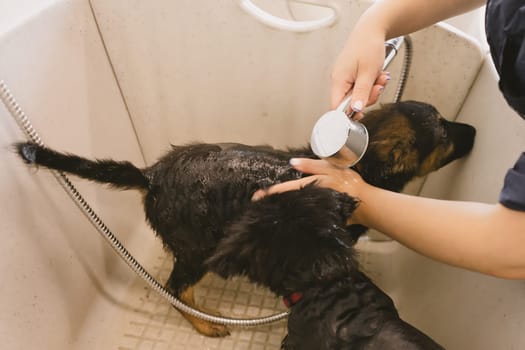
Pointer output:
359, 63
488, 238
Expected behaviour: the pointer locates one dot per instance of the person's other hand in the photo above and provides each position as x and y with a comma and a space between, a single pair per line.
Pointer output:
324, 175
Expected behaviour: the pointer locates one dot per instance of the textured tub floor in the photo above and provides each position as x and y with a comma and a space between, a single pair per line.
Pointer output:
156, 325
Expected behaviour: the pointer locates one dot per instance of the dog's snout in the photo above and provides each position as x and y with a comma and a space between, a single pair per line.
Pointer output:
462, 136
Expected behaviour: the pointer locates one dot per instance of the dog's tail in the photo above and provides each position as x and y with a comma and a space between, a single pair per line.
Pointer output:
123, 175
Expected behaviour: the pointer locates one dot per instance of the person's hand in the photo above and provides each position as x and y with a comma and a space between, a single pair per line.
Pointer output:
325, 175
358, 69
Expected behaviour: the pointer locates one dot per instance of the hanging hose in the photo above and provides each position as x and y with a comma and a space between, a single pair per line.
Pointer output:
405, 68
392, 47
25, 125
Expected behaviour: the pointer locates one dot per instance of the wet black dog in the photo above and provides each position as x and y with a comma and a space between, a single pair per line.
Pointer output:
195, 193
308, 258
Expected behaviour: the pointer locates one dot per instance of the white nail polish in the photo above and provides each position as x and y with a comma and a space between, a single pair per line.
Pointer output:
357, 106
294, 161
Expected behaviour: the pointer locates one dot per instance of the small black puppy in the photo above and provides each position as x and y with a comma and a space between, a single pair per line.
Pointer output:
304, 253
195, 192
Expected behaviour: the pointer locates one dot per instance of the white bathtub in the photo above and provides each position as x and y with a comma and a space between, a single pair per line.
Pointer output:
123, 79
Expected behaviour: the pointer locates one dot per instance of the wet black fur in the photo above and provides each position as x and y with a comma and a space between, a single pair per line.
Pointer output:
199, 195
290, 248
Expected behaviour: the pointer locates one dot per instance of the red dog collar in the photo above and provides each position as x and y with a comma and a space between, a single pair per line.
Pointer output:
291, 299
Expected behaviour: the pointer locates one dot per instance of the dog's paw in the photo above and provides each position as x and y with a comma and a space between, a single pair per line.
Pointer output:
208, 328
203, 327
212, 329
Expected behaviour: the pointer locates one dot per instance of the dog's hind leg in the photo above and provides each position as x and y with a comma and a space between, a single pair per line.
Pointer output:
182, 284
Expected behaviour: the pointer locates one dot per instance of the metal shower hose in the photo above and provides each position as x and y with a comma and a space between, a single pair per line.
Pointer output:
25, 125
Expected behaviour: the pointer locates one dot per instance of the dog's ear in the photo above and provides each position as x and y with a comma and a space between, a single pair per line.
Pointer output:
390, 163
392, 157
287, 240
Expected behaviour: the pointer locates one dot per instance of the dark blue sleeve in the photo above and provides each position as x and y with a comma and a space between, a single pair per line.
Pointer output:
505, 28
513, 193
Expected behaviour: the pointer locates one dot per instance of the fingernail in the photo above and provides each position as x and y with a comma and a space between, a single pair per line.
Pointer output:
388, 77
357, 106
294, 161
257, 195
381, 89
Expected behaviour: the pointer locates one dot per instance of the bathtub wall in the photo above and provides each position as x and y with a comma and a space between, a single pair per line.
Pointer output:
122, 79
466, 310
195, 70
57, 273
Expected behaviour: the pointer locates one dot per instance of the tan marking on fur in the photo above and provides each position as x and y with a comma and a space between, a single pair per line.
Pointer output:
396, 130
394, 143
203, 327
404, 161
434, 160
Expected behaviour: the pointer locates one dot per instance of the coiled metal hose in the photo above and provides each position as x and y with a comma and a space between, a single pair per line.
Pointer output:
392, 47
25, 125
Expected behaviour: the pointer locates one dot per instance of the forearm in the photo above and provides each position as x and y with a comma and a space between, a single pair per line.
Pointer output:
481, 237
400, 17
476, 236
